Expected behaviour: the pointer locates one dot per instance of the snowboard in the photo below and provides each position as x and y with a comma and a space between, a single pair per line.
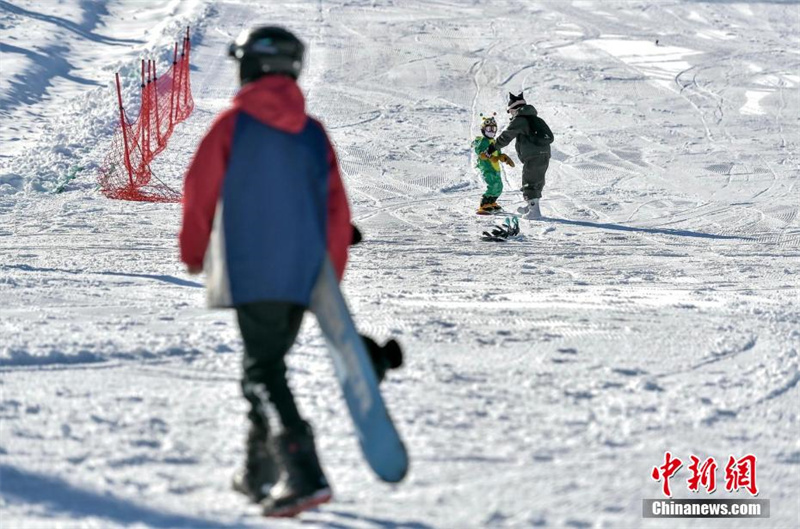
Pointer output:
501, 233
379, 440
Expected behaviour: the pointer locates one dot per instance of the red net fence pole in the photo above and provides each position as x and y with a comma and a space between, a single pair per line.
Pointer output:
143, 121
165, 101
124, 129
184, 104
172, 88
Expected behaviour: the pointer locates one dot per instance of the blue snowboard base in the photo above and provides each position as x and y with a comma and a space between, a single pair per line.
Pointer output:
379, 440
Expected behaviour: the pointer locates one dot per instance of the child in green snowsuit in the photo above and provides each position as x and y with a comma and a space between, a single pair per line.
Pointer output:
489, 165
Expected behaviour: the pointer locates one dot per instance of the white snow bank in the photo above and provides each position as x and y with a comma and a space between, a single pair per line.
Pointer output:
58, 103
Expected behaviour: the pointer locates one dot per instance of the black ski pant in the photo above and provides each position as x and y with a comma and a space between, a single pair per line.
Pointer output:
533, 171
269, 329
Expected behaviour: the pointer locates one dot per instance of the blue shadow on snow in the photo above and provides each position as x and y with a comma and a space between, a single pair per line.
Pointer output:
92, 11
58, 496
659, 231
165, 278
379, 522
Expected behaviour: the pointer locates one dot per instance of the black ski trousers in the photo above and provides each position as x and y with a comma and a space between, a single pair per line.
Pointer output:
269, 329
533, 171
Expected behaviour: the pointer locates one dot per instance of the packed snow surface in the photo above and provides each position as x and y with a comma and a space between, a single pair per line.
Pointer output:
654, 308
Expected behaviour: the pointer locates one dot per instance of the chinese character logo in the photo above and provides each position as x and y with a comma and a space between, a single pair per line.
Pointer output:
665, 471
705, 475
739, 474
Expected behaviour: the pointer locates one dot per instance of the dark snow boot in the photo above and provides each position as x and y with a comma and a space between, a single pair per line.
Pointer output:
302, 484
259, 472
485, 207
390, 356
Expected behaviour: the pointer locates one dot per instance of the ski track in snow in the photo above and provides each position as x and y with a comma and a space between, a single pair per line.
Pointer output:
655, 307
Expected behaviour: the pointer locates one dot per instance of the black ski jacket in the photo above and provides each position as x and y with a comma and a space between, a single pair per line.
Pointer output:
531, 132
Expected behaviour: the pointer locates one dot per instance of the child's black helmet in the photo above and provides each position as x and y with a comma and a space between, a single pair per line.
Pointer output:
267, 50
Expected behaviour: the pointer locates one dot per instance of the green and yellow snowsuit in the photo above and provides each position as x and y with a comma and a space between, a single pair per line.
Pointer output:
489, 168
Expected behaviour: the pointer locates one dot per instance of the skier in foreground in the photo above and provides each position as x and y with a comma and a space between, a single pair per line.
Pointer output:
263, 203
489, 165
533, 148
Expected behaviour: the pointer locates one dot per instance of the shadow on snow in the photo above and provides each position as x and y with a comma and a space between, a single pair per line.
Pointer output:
30, 85
165, 278
92, 11
59, 496
379, 522
659, 231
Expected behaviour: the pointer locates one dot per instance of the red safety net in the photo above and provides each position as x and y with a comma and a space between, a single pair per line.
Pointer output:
166, 100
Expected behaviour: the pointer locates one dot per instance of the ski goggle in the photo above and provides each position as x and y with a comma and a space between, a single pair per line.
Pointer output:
489, 128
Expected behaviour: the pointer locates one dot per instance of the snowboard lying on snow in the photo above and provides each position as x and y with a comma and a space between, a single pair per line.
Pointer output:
503, 232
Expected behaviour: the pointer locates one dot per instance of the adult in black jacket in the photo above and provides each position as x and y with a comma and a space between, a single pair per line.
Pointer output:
533, 148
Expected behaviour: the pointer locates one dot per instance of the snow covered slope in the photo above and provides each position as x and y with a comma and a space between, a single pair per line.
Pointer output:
655, 308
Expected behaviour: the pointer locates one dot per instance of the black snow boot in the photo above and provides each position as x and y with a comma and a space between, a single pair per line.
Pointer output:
302, 484
260, 471
390, 356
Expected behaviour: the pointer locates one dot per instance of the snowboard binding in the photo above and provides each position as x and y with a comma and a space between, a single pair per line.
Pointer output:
501, 233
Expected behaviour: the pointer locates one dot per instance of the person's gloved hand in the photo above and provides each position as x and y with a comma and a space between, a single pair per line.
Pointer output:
507, 160
491, 150
386, 357
357, 237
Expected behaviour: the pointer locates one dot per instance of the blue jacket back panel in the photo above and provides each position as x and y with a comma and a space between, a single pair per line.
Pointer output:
274, 199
